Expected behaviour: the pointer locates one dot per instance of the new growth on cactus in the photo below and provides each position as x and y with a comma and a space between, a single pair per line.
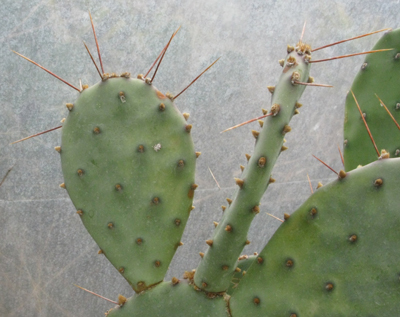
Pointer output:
128, 162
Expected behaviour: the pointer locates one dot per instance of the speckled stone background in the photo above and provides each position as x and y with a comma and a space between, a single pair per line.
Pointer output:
44, 248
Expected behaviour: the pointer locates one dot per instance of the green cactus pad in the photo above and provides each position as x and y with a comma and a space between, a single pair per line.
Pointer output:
215, 270
168, 299
379, 74
128, 163
337, 255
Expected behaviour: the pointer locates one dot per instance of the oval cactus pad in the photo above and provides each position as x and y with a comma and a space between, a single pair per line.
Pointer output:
128, 162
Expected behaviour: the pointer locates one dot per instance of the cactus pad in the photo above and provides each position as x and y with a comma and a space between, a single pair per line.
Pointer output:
335, 256
128, 163
379, 74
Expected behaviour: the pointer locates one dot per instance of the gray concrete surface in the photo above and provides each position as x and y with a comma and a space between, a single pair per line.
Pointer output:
44, 248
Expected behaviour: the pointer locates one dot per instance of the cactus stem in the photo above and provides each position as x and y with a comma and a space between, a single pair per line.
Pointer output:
350, 55
249, 121
387, 110
91, 57
197, 78
45, 69
111, 301
274, 217
309, 182
325, 164
350, 39
162, 52
97, 43
215, 180
366, 125
34, 135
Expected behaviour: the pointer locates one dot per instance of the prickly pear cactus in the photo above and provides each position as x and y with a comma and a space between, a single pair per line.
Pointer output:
128, 163
378, 77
